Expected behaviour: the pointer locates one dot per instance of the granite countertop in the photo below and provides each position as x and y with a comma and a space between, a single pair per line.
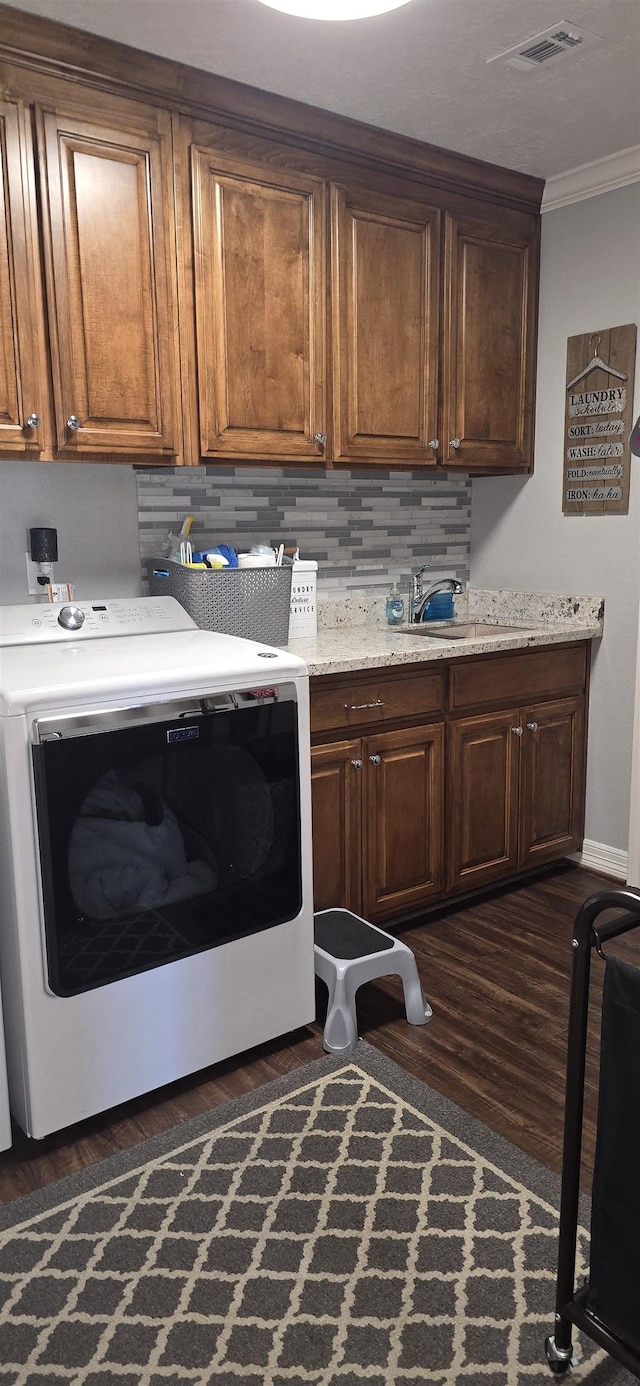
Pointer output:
360, 641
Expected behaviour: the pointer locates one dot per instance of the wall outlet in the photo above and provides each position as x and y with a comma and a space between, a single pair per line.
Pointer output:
34, 571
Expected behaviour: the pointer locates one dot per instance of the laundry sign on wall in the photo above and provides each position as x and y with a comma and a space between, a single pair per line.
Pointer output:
598, 418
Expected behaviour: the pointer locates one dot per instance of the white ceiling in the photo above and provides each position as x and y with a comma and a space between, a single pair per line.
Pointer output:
421, 70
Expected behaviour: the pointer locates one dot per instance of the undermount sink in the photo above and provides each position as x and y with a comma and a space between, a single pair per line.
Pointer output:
458, 630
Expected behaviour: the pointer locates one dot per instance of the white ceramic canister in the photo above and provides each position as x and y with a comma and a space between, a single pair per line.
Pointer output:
303, 619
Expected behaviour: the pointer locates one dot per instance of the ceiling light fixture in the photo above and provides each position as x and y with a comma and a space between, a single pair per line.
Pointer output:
334, 9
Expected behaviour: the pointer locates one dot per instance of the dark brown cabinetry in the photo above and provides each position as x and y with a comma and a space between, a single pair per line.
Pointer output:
259, 257
475, 774
552, 779
337, 816
377, 821
377, 796
309, 314
107, 233
24, 396
517, 782
385, 315
89, 362
483, 788
516, 775
489, 342
403, 783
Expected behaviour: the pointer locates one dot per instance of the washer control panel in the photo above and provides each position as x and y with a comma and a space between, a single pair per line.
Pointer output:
42, 625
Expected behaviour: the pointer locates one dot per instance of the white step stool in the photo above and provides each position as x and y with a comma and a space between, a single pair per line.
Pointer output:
349, 951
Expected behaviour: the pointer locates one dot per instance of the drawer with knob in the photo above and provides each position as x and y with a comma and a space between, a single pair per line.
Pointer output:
517, 677
366, 702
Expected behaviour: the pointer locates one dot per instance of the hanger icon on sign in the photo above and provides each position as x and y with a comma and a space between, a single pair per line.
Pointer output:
596, 364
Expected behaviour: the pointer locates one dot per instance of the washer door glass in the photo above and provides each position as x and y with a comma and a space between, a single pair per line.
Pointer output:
166, 837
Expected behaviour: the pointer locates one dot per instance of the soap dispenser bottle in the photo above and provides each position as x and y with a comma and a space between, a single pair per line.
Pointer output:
395, 607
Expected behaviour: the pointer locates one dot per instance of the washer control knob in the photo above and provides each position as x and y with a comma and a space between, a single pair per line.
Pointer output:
71, 617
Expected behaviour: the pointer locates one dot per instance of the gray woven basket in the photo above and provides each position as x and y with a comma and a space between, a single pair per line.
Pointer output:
251, 602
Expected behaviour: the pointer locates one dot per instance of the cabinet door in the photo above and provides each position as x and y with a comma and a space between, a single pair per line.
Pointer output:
553, 780
403, 828
23, 386
108, 230
336, 780
384, 328
483, 798
489, 344
260, 245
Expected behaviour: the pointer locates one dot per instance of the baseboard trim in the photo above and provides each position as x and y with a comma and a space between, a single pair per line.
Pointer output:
608, 861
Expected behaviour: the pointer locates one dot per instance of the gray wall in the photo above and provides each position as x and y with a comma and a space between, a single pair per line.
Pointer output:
93, 508
520, 538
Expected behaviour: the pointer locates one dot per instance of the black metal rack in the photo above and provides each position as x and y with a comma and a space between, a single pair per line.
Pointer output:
572, 1307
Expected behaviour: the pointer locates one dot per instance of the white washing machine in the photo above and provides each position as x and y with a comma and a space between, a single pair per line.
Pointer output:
156, 911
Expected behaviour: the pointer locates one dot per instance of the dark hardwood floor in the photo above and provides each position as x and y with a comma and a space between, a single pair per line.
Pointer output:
496, 973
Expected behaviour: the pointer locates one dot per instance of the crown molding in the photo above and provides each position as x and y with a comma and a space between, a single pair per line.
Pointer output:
32, 44
589, 180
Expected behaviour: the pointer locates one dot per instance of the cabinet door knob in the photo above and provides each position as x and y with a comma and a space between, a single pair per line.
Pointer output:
357, 764
34, 421
375, 760
517, 731
434, 444
532, 726
320, 439
454, 443
73, 423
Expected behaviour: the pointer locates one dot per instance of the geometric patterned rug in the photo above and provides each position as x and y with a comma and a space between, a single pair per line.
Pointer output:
342, 1226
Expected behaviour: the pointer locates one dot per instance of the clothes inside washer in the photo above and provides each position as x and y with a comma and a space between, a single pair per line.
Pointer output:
224, 802
126, 851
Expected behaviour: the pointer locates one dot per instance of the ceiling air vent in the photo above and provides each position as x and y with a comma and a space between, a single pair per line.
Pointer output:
548, 47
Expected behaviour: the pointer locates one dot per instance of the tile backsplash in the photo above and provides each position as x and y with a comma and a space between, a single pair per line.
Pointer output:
365, 528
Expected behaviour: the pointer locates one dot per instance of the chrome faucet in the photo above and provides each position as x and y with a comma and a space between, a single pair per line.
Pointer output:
418, 599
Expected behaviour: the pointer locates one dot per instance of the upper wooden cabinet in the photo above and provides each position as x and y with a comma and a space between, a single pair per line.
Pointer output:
489, 335
108, 235
259, 282
429, 364
386, 271
194, 270
23, 381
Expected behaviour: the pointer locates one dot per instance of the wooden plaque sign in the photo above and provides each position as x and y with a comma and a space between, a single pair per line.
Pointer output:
598, 419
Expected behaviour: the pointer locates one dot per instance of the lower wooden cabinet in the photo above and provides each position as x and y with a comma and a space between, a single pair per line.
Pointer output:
336, 786
408, 810
516, 790
483, 798
552, 794
377, 821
